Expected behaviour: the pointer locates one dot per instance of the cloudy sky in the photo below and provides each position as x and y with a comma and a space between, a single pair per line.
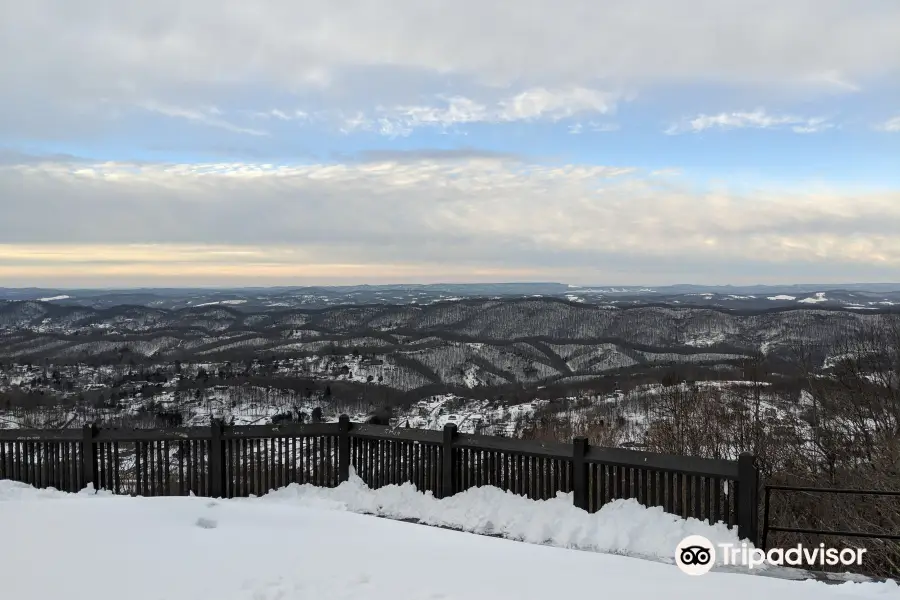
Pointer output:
282, 142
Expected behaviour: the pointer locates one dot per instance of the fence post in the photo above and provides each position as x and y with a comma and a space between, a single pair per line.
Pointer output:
765, 531
88, 457
580, 472
447, 482
343, 448
748, 498
217, 459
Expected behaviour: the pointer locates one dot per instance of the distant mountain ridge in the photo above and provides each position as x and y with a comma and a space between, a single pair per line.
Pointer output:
539, 327
855, 296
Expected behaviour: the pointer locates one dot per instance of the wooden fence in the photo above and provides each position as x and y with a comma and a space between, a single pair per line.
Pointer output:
240, 461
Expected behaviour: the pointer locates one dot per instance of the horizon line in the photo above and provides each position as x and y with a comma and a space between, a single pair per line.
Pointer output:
649, 287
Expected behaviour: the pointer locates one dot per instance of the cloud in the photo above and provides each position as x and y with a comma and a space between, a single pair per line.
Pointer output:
279, 115
530, 105
434, 154
541, 103
757, 119
891, 125
418, 219
834, 80
593, 126
210, 116
62, 68
446, 115
307, 44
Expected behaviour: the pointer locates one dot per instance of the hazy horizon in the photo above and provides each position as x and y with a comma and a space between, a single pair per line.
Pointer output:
609, 286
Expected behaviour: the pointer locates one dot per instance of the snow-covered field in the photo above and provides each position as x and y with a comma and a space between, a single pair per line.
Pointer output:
300, 543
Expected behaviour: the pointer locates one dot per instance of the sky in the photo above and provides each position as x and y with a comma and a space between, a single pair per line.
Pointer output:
300, 142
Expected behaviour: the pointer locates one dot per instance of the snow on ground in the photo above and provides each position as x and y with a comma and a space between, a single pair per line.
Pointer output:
470, 416
702, 341
52, 298
819, 297
228, 302
102, 547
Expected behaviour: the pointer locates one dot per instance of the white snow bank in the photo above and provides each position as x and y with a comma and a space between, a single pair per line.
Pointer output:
15, 490
620, 527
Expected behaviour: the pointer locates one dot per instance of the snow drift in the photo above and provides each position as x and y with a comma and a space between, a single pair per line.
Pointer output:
619, 527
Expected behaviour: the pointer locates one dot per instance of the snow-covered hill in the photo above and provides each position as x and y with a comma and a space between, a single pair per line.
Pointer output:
464, 344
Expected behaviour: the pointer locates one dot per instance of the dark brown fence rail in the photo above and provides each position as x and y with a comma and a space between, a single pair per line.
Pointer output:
241, 461
823, 532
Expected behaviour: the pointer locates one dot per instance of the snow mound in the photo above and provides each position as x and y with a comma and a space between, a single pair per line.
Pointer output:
15, 490
619, 527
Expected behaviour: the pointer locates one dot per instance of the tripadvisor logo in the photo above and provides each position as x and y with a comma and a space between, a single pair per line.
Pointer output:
696, 555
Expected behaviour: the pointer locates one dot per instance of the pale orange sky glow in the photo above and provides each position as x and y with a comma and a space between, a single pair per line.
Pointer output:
187, 266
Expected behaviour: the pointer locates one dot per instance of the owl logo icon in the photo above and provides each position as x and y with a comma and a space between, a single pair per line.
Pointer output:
695, 555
